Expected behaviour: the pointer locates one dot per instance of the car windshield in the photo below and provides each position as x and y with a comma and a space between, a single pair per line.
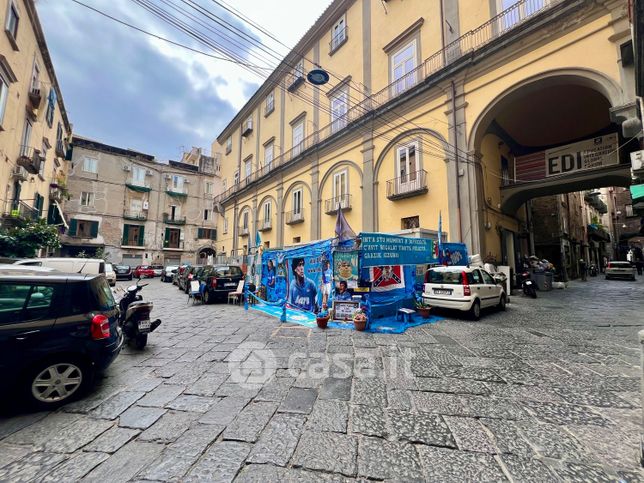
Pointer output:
102, 293
121, 267
228, 272
447, 277
620, 265
108, 267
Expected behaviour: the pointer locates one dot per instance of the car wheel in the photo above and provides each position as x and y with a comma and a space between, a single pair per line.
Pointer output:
502, 302
607, 277
207, 298
55, 382
140, 341
475, 310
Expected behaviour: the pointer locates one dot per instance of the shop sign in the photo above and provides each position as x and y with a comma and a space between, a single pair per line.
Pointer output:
588, 154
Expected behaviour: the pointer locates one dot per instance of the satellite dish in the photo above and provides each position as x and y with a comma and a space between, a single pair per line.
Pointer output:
318, 77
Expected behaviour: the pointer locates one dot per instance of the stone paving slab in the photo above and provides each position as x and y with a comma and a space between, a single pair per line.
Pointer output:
331, 452
278, 441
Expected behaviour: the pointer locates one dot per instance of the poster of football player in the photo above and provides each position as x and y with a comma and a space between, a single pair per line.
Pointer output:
302, 288
345, 268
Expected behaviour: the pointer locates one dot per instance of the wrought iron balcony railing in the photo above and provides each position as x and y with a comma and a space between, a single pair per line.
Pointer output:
294, 217
343, 202
135, 215
411, 184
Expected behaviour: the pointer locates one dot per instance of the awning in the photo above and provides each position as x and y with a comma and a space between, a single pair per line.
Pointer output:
60, 212
637, 193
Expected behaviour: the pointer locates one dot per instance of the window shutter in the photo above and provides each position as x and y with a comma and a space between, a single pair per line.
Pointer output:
199, 232
213, 234
94, 230
141, 235
72, 227
166, 240
126, 233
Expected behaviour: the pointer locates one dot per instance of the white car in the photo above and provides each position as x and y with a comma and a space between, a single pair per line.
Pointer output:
463, 288
620, 270
110, 274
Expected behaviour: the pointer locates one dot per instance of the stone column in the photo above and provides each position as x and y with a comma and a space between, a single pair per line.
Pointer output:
369, 209
315, 201
280, 216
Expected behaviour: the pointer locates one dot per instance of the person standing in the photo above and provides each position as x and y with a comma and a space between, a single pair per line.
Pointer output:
583, 269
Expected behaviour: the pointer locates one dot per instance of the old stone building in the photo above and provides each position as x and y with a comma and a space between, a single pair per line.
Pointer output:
136, 210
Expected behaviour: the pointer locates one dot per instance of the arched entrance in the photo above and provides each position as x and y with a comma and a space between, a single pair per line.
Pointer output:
547, 136
206, 256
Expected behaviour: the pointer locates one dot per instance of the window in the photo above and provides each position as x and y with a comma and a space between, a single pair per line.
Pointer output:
340, 186
43, 160
267, 212
177, 183
403, 65
90, 165
410, 223
245, 220
248, 167
87, 199
175, 212
514, 11
208, 187
138, 176
11, 25
206, 215
270, 103
4, 95
339, 108
487, 278
133, 235
298, 137
268, 154
172, 238
229, 144
207, 233
629, 210
60, 147
35, 77
407, 163
297, 239
39, 201
225, 225
236, 177
26, 302
26, 138
83, 228
297, 77
297, 202
338, 33
51, 107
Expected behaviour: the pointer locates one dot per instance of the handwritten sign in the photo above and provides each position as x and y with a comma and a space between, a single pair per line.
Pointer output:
382, 250
344, 310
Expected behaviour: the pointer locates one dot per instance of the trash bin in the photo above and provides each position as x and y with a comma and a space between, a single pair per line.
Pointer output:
543, 280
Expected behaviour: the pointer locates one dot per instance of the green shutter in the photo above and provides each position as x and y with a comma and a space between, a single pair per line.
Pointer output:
213, 234
72, 227
200, 233
166, 240
94, 230
51, 214
141, 235
126, 233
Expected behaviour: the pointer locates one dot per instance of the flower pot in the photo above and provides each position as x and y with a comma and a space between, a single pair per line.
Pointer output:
424, 312
322, 322
360, 324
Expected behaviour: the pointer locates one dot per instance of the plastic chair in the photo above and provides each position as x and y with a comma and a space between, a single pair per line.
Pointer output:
238, 293
195, 292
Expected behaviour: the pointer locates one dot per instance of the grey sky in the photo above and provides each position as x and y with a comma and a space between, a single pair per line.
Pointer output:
124, 88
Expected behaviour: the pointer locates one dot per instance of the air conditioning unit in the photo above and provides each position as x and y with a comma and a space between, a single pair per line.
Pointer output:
127, 168
146, 205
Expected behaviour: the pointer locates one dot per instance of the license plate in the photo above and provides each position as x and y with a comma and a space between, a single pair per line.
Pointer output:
144, 325
442, 291
230, 285
528, 282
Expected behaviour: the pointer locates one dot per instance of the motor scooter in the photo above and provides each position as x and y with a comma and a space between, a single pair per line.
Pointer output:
135, 316
528, 285
592, 270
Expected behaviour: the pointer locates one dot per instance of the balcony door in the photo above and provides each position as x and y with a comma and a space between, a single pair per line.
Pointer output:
340, 189
407, 168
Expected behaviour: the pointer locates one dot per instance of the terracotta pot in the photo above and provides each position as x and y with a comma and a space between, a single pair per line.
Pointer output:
424, 312
360, 324
322, 322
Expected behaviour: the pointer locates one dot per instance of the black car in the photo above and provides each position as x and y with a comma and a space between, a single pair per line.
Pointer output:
220, 280
56, 331
187, 276
123, 272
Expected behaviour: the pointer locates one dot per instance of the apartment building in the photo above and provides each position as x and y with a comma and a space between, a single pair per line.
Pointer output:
137, 210
442, 107
34, 127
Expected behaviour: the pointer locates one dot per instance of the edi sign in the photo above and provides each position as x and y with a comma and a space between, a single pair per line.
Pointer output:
591, 153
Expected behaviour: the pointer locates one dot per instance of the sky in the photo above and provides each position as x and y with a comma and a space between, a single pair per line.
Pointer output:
127, 89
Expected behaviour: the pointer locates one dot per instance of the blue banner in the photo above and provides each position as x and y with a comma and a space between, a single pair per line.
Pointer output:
453, 254
381, 250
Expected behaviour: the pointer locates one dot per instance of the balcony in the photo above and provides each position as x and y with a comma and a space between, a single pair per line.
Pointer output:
331, 205
173, 220
176, 192
412, 184
594, 200
247, 128
294, 217
19, 174
21, 210
138, 185
35, 96
135, 215
464, 48
265, 225
30, 159
243, 231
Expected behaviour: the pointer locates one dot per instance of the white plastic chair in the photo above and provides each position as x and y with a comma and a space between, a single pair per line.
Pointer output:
238, 293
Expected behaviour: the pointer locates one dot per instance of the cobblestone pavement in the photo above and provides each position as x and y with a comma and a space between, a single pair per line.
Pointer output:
546, 391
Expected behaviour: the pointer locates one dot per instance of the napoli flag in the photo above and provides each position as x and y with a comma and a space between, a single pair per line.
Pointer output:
389, 277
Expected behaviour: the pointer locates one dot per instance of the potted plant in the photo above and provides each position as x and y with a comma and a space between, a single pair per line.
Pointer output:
322, 318
360, 320
423, 308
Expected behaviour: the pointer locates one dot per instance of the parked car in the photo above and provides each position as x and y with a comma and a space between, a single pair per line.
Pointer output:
168, 273
187, 276
219, 281
620, 270
110, 274
462, 288
123, 272
56, 331
68, 264
158, 269
144, 271
179, 273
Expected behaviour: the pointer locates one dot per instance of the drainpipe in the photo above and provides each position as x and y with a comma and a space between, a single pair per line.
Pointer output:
442, 13
456, 157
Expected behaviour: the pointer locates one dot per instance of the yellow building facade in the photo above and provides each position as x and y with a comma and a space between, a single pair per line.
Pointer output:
34, 129
428, 107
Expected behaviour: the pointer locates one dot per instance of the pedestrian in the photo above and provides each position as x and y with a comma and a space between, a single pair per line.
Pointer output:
583, 269
639, 264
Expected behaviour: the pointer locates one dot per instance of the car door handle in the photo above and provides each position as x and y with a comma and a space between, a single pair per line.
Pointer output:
25, 335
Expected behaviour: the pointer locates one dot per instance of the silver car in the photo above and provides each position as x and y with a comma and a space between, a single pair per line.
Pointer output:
620, 270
